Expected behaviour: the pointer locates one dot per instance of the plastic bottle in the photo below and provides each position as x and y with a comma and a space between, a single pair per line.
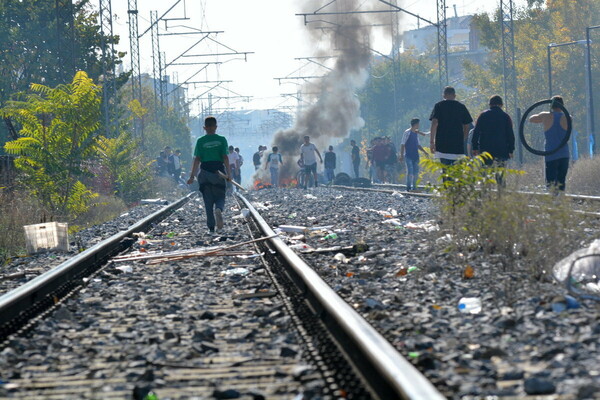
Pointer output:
469, 305
331, 236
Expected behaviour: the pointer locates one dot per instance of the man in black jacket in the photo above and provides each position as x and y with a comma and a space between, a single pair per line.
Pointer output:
494, 134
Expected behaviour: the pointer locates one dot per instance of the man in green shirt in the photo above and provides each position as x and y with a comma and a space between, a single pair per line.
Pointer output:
211, 155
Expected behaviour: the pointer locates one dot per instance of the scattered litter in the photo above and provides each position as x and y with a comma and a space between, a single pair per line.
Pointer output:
428, 226
236, 271
159, 257
414, 354
139, 235
47, 236
14, 275
562, 303
397, 194
171, 235
392, 221
262, 206
255, 295
155, 201
301, 246
580, 271
293, 215
127, 269
341, 257
293, 228
310, 196
249, 256
468, 272
330, 236
469, 305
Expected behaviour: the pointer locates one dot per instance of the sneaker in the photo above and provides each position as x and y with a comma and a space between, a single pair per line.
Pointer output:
219, 218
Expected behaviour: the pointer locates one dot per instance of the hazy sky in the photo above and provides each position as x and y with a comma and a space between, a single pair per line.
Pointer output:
268, 28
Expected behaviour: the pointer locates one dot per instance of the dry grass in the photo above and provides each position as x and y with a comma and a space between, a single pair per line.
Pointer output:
584, 177
16, 210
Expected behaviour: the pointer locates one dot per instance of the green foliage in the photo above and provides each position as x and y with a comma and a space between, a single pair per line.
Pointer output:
387, 111
514, 230
47, 41
465, 183
57, 138
125, 166
536, 26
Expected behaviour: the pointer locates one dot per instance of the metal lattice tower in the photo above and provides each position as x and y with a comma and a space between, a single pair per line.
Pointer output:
109, 89
136, 77
508, 60
156, 58
442, 31
134, 44
164, 95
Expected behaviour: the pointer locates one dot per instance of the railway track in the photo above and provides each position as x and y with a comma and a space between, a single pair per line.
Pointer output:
408, 287
166, 329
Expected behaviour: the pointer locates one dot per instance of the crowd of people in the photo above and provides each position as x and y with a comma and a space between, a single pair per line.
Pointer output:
168, 164
453, 136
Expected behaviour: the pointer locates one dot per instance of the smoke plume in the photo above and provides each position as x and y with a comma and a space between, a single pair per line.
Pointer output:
337, 109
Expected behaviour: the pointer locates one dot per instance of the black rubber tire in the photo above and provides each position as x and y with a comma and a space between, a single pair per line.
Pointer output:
342, 179
361, 182
522, 127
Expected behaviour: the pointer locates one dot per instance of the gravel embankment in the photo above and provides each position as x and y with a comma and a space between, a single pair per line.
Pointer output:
516, 346
210, 327
27, 268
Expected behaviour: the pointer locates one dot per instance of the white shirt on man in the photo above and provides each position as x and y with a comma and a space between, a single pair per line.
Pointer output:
309, 153
233, 157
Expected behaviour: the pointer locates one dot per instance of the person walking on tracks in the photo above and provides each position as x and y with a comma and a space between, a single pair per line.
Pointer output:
555, 129
211, 156
493, 133
308, 153
274, 161
330, 160
409, 151
450, 122
355, 157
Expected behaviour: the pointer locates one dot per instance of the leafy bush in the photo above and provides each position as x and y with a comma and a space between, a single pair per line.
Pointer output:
57, 135
522, 232
125, 166
584, 177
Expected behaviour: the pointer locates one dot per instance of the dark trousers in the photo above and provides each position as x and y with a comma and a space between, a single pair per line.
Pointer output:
556, 173
356, 165
498, 163
214, 197
212, 187
446, 161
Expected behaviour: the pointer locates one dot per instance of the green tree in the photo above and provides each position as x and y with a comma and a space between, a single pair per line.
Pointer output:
536, 26
125, 166
396, 92
57, 137
47, 41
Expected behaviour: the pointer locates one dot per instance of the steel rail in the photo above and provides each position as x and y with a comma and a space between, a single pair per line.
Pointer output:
387, 374
572, 196
44, 287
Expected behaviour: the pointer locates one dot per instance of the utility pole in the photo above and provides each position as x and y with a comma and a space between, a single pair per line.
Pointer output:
136, 77
442, 36
109, 88
508, 63
156, 67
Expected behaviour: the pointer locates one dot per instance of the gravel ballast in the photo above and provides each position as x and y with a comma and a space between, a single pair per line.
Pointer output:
409, 286
210, 327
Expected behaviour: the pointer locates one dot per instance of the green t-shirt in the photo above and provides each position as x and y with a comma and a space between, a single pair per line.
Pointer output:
211, 148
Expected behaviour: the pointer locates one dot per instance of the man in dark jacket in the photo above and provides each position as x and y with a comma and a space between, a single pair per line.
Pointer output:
494, 134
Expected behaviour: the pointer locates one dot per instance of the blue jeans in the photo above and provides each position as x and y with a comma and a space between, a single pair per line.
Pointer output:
329, 174
412, 173
274, 176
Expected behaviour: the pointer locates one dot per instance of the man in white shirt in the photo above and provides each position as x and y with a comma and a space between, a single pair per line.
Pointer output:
234, 164
177, 166
308, 153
